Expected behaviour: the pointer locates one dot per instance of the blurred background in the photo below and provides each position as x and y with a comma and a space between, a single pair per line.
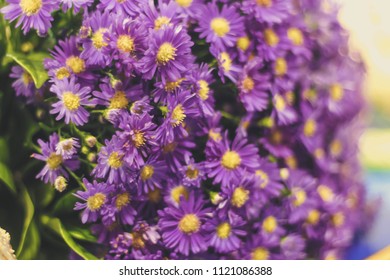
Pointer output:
369, 24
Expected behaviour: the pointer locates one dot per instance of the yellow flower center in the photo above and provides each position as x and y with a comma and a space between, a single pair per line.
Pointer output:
281, 67
270, 37
231, 160
224, 230
98, 38
62, 73
338, 219
171, 86
138, 241
178, 192
204, 89
313, 217
270, 224
147, 172
160, 22
325, 193
138, 139
248, 84
166, 53
310, 128
239, 197
96, 201
216, 136
115, 160
192, 172
264, 178
279, 102
336, 147
184, 3
30, 7
295, 35
260, 254
54, 161
178, 115
76, 64
291, 162
226, 61
169, 148
122, 200
290, 97
310, 94
26, 78
319, 153
220, 26
125, 43
71, 101
119, 101
243, 43
300, 197
264, 3
336, 92
189, 224
154, 196
276, 137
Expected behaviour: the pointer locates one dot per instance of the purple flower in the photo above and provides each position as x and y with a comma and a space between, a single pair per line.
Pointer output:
76, 4
152, 175
24, 84
202, 78
127, 7
156, 19
270, 11
227, 66
67, 148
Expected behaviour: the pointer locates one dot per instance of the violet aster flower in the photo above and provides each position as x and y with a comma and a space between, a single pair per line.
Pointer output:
127, 7
152, 175
76, 4
177, 153
72, 99
183, 228
283, 112
67, 148
227, 66
202, 78
194, 173
31, 14
293, 247
24, 84
156, 19
271, 11
176, 192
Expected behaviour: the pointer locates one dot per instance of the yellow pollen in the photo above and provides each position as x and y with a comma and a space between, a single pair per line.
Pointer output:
166, 53
178, 192
243, 43
224, 230
220, 26
192, 172
336, 147
313, 217
310, 128
264, 3
290, 97
248, 84
122, 200
291, 162
276, 137
310, 94
295, 35
279, 102
160, 22
270, 224
260, 254
118, 101
62, 73
264, 178
284, 173
71, 101
204, 89
154, 196
169, 148
338, 219
281, 67
171, 86
138, 241
226, 61
270, 37
178, 115
96, 201
300, 197
319, 153
147, 172
184, 3
215, 135
54, 161
115, 160
76, 64
30, 7
336, 92
138, 139
189, 224
125, 43
239, 197
231, 160
26, 78
98, 38
325, 193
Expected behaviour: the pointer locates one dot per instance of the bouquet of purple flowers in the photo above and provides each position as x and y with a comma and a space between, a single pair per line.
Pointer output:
194, 129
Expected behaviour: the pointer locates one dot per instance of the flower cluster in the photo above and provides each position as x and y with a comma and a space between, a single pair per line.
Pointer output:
221, 129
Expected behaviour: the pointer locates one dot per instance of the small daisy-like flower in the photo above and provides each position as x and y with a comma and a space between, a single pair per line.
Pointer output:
127, 7
156, 19
72, 99
152, 175
183, 227
177, 153
76, 4
176, 192
31, 13
202, 78
271, 11
227, 66
194, 173
220, 28
24, 84
67, 148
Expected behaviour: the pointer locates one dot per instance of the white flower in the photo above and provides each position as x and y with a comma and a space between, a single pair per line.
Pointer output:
6, 251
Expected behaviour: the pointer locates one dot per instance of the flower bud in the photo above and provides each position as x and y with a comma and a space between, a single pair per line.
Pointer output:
60, 184
91, 141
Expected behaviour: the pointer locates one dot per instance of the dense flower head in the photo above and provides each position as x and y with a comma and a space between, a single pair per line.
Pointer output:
202, 129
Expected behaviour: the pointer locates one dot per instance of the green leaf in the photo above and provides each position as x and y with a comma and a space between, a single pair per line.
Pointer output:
4, 151
65, 204
56, 225
31, 244
6, 177
29, 213
81, 234
33, 64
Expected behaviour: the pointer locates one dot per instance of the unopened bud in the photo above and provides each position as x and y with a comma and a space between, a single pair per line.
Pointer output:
91, 157
91, 141
60, 184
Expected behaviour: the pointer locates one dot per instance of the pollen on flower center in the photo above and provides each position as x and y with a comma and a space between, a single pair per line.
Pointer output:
295, 35
189, 224
310, 128
26, 78
226, 61
336, 147
96, 201
260, 254
125, 43
270, 224
54, 161
75, 63
300, 197
264, 3
178, 115
338, 219
184, 3
325, 193
115, 160
248, 84
119, 101
243, 43
178, 192
280, 104
270, 37
62, 73
98, 38
138, 241
71, 101
122, 200
224, 230
160, 21
313, 217
220, 26
147, 172
154, 196
204, 89
192, 172
30, 7
138, 139
171, 86
169, 148
336, 92
239, 197
280, 66
264, 178
166, 53
231, 160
